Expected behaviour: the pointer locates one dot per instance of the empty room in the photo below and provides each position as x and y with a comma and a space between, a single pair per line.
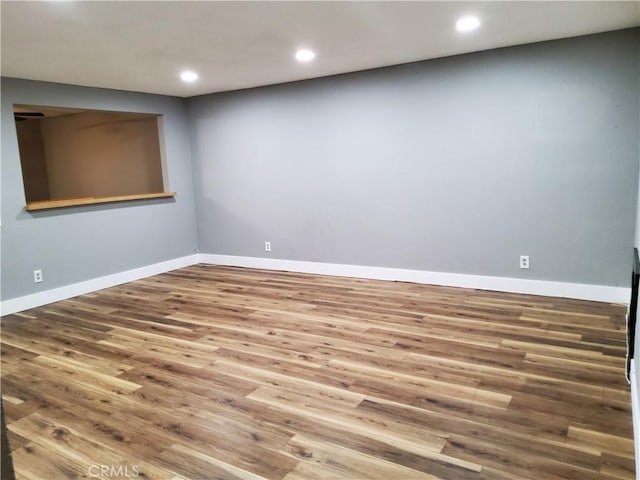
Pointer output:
319, 240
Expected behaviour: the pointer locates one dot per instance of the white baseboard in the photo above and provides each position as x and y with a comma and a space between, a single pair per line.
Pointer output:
56, 294
635, 412
501, 284
579, 291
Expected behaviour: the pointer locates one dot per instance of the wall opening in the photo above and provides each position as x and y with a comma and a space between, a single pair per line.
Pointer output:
78, 156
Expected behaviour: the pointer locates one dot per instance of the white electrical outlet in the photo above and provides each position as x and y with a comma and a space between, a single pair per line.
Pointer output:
37, 276
267, 246
524, 261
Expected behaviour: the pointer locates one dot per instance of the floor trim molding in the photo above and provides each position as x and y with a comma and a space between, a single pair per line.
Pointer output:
578, 291
513, 285
34, 300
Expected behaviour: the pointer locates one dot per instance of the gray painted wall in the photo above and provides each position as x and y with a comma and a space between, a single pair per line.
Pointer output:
636, 353
81, 243
454, 165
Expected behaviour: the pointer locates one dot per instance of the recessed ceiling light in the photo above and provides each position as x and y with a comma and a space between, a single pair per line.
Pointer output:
189, 76
467, 24
305, 55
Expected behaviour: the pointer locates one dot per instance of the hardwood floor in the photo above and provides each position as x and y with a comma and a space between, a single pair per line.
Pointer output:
228, 373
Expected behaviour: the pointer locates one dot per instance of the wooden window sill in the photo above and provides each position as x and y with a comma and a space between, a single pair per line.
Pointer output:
73, 202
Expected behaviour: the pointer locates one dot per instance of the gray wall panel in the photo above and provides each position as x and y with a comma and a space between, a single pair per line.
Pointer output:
81, 243
454, 165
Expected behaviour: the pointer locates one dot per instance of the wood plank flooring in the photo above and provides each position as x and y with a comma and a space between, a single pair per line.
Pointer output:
229, 373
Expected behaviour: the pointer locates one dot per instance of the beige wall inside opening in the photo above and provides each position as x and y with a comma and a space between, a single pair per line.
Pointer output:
71, 154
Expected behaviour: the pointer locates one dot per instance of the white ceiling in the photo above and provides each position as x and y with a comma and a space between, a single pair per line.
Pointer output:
143, 46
